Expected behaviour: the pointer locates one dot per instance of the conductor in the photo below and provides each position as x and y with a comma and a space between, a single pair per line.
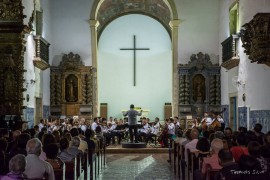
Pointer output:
132, 122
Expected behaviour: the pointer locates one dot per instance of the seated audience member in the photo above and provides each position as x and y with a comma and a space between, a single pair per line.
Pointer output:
99, 132
203, 145
250, 136
192, 144
228, 166
254, 150
251, 169
242, 129
13, 143
266, 146
16, 168
4, 133
52, 152
187, 138
35, 167
258, 133
74, 145
21, 145
3, 158
212, 160
219, 134
68, 136
46, 140
64, 155
241, 148
227, 143
56, 135
228, 132
89, 133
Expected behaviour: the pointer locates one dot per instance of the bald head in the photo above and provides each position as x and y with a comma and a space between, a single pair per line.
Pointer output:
33, 146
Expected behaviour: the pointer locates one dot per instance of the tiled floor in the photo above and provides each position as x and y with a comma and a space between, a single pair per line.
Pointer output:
137, 167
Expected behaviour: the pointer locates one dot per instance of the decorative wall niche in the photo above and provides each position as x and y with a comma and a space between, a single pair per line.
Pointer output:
71, 88
199, 86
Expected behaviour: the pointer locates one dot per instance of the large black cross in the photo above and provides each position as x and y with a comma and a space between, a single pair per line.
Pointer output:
134, 56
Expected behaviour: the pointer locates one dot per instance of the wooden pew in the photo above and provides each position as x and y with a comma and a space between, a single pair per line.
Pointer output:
86, 165
80, 168
91, 159
71, 169
189, 163
179, 150
210, 173
182, 151
60, 173
175, 145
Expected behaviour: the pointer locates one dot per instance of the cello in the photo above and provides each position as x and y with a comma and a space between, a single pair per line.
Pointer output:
215, 123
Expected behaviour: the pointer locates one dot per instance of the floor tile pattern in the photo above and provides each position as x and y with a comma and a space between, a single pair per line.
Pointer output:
137, 167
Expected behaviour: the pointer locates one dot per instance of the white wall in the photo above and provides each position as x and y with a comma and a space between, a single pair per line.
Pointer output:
71, 30
154, 67
28, 57
256, 76
47, 33
198, 31
258, 81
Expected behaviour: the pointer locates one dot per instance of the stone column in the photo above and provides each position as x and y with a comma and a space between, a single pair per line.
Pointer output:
93, 26
175, 83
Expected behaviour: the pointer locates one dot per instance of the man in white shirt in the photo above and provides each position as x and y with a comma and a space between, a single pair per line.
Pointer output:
209, 121
94, 124
36, 168
41, 125
144, 131
154, 130
171, 128
176, 122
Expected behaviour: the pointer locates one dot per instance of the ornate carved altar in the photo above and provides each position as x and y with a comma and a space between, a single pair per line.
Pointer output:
71, 87
199, 86
12, 31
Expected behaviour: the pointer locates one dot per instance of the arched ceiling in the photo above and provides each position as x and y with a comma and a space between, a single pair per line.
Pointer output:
108, 10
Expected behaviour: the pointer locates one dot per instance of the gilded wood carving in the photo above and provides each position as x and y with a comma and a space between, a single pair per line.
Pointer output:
71, 87
255, 37
12, 43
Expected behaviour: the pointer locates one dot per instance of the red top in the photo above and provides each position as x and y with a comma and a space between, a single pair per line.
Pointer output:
238, 151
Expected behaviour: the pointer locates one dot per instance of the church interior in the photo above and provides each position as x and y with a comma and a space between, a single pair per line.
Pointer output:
81, 64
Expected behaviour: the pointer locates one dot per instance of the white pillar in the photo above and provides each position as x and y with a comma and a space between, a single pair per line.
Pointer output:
93, 26
175, 82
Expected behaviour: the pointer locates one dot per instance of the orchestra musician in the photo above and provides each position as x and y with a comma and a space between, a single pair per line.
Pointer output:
95, 124
154, 130
217, 121
196, 123
144, 131
163, 138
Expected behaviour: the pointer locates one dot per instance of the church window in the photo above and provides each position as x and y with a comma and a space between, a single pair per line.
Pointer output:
234, 18
39, 22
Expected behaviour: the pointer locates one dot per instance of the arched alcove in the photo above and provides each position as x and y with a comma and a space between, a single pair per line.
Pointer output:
105, 11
